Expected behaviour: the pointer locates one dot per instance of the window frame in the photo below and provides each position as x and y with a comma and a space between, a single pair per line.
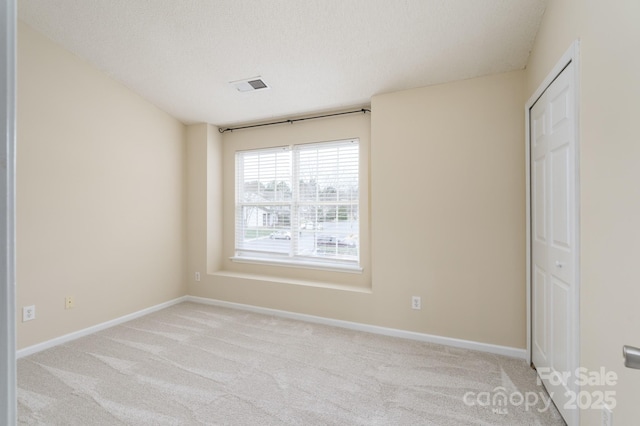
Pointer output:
294, 258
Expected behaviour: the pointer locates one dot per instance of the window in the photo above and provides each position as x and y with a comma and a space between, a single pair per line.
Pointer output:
299, 205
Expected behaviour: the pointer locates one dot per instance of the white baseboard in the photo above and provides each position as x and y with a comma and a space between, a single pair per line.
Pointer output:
98, 327
393, 332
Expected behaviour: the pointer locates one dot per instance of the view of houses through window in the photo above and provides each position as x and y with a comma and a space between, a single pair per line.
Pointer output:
299, 203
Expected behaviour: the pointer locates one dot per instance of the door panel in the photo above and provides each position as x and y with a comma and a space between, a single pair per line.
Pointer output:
560, 232
560, 300
539, 218
559, 108
540, 327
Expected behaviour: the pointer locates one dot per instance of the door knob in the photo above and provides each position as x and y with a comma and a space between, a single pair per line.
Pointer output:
559, 264
631, 356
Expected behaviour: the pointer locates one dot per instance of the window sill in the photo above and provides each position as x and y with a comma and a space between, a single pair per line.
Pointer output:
301, 265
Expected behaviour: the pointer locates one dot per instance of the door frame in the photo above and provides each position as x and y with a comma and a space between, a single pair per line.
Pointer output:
8, 404
572, 55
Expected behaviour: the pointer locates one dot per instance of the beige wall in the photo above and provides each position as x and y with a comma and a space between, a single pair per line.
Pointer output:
458, 151
101, 201
447, 216
560, 26
204, 199
609, 176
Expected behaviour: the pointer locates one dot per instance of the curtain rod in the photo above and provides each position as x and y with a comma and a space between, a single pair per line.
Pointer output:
293, 120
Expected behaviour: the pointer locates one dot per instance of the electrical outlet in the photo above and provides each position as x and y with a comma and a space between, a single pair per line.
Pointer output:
607, 416
197, 276
28, 313
69, 302
416, 302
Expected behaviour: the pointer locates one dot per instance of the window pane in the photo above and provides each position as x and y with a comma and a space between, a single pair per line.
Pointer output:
265, 176
264, 229
332, 231
329, 173
300, 203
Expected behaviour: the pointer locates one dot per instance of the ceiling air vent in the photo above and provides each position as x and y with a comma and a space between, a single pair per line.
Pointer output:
249, 84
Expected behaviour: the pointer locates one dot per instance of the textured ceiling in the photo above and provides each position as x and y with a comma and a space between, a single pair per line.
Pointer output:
317, 55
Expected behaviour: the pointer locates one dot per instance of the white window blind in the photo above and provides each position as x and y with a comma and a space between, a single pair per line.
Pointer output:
299, 204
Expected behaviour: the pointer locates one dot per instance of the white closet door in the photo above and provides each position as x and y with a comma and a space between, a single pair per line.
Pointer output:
553, 236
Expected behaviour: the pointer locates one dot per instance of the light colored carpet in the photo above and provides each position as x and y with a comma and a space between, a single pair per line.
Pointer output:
196, 364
